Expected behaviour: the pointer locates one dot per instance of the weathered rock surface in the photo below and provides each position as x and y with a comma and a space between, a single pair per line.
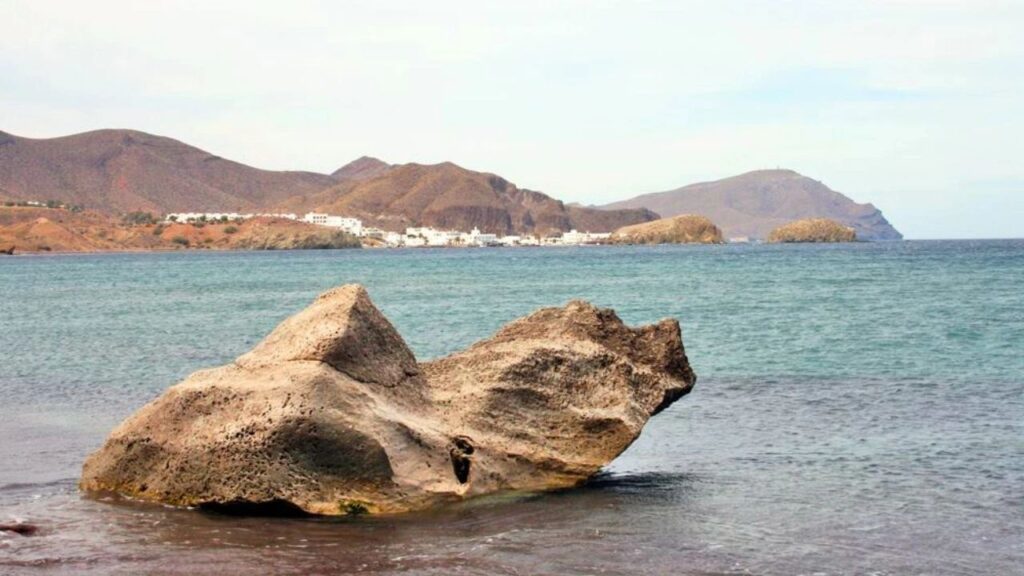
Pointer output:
683, 229
332, 414
813, 230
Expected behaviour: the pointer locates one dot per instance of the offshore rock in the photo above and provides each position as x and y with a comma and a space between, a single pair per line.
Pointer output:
682, 229
812, 230
331, 414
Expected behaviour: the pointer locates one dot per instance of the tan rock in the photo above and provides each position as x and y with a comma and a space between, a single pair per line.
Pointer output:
553, 397
683, 229
813, 230
331, 414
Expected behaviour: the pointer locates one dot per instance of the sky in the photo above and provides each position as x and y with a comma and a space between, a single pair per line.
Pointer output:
914, 105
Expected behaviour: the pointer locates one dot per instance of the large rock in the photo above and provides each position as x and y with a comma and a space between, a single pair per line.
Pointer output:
683, 229
812, 230
331, 414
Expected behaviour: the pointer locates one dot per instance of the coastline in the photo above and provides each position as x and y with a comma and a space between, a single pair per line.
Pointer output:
414, 249
364, 247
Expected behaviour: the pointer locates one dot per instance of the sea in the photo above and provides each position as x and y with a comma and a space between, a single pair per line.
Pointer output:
859, 409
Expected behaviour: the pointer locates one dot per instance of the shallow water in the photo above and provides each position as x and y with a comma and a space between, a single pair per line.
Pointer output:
859, 409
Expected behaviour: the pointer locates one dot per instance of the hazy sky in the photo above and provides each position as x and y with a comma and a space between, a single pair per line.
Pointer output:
916, 106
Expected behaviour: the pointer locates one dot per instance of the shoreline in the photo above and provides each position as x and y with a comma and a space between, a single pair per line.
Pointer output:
371, 248
485, 248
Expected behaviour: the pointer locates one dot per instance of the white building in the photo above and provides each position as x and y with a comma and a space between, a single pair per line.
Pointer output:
202, 216
575, 237
353, 226
375, 233
220, 216
394, 239
288, 216
478, 238
433, 237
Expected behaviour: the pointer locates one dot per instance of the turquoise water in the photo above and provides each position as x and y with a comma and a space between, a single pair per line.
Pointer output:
859, 409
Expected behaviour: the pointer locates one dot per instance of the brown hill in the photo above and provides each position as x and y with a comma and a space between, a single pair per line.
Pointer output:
116, 171
124, 170
361, 169
813, 230
683, 229
449, 196
30, 229
755, 203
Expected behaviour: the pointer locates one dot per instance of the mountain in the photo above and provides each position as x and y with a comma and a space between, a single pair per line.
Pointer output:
449, 196
124, 170
361, 169
755, 203
115, 171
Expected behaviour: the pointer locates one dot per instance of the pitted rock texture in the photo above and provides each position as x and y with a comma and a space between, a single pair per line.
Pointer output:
331, 414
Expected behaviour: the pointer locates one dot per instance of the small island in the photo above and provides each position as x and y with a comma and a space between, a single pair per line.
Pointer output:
812, 230
682, 229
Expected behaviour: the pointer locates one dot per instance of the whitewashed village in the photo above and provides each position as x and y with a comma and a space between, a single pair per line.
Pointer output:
413, 237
